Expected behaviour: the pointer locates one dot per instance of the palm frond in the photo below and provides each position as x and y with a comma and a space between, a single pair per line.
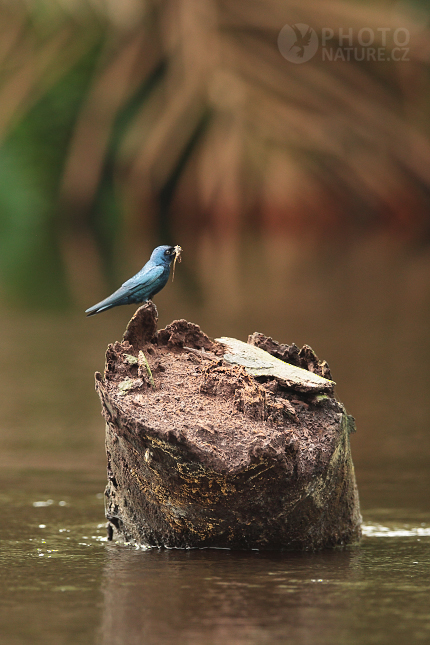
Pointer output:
190, 118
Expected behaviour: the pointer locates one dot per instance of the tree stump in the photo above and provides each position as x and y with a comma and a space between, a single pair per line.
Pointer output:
222, 443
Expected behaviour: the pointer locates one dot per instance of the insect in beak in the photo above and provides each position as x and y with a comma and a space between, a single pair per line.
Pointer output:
177, 257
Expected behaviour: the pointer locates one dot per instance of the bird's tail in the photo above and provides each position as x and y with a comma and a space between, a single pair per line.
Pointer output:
117, 298
96, 309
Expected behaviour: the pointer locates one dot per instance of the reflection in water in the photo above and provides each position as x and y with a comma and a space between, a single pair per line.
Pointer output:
217, 597
220, 597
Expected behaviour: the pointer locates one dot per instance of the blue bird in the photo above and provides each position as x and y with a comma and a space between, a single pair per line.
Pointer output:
145, 284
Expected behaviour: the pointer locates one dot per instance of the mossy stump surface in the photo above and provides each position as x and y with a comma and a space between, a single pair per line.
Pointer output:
218, 446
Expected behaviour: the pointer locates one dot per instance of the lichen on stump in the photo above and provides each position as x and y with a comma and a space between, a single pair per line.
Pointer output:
228, 446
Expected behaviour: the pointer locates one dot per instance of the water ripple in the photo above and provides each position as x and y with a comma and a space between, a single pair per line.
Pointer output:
378, 530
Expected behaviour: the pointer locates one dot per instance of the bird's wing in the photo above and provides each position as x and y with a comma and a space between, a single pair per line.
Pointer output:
142, 280
136, 289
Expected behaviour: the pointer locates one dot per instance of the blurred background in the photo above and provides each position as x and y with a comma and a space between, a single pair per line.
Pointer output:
300, 194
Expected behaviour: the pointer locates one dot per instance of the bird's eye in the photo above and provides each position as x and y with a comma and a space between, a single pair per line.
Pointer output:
168, 252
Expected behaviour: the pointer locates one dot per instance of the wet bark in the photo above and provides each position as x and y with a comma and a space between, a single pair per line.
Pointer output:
221, 444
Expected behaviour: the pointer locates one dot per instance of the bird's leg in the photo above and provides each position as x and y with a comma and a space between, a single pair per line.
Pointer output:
143, 362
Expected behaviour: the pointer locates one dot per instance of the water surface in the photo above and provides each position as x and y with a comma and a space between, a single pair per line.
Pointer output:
62, 582
368, 313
